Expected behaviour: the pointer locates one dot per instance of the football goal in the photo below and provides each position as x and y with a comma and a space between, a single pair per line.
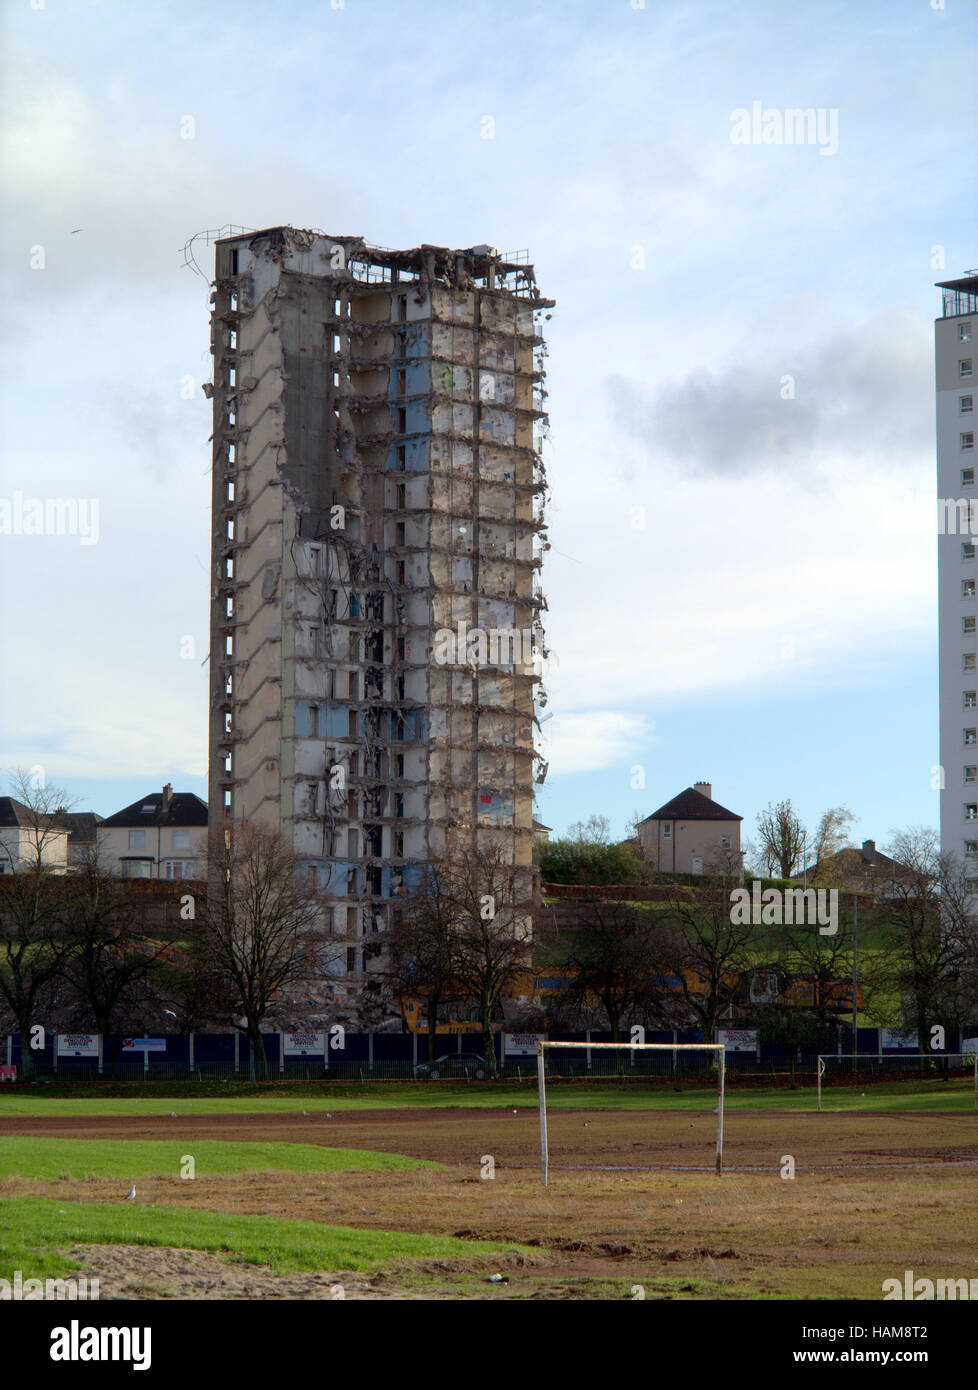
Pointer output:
850, 1068
709, 1056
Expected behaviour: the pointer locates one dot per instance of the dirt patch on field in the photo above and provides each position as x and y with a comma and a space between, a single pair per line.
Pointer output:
620, 1140
141, 1271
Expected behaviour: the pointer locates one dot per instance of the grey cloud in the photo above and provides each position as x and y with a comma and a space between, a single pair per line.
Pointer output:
862, 392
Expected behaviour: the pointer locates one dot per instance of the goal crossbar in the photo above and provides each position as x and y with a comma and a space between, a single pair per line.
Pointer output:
969, 1058
544, 1047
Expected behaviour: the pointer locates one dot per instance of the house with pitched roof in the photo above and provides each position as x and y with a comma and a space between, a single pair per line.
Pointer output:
82, 828
163, 835
25, 834
691, 834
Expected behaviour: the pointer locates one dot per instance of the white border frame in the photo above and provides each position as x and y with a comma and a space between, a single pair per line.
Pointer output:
823, 1057
630, 1047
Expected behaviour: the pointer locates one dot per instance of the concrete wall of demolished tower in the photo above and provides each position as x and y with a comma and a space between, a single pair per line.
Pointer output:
258, 534
311, 404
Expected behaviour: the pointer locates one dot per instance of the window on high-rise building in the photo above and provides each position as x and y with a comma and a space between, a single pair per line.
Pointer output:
968, 661
965, 367
966, 405
970, 737
970, 810
970, 699
964, 332
971, 774
968, 440
967, 477
967, 588
968, 624
971, 849
967, 550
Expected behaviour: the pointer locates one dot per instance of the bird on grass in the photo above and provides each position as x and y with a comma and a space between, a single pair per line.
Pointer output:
328, 1115
305, 1114
131, 1194
173, 1114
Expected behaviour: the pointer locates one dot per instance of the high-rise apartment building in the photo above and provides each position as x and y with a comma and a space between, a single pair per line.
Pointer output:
956, 349
378, 497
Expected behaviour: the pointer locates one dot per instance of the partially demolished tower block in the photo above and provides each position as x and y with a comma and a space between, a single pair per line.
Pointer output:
377, 483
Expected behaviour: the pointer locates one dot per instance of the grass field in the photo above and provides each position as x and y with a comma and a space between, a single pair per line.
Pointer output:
48, 1160
956, 1095
415, 1191
34, 1230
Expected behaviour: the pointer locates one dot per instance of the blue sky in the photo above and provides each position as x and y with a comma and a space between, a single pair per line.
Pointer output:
742, 586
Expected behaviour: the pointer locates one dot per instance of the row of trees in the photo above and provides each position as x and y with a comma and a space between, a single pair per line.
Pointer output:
90, 950
250, 944
251, 947
464, 935
686, 959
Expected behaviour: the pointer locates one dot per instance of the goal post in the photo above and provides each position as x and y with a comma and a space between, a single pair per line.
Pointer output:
961, 1061
544, 1047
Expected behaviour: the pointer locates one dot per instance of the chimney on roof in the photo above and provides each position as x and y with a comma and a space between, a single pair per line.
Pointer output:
869, 851
704, 789
167, 796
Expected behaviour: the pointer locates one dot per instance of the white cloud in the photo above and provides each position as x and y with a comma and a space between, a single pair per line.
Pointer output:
587, 741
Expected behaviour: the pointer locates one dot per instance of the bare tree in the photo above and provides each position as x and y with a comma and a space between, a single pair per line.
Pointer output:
831, 833
34, 951
616, 952
708, 951
421, 949
193, 986
596, 830
926, 913
259, 924
490, 901
781, 837
109, 970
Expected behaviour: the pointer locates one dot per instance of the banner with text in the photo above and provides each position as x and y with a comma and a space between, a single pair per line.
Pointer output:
304, 1044
78, 1044
738, 1039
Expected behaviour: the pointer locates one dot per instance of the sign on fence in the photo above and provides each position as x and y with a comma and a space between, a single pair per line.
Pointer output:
522, 1044
144, 1044
899, 1038
969, 1045
8, 1073
78, 1044
738, 1039
305, 1044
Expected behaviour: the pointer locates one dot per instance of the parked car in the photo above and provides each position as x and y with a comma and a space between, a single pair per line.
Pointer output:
467, 1064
